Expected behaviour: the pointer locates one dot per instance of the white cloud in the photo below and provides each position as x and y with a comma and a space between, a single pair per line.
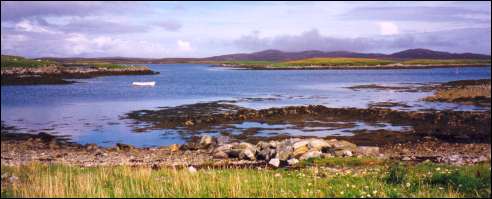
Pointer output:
184, 45
388, 28
28, 26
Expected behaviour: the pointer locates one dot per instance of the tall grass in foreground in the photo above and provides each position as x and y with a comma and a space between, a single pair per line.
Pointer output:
424, 180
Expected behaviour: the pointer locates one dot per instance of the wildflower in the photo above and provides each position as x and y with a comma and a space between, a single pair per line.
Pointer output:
408, 184
341, 192
441, 188
438, 168
353, 186
374, 192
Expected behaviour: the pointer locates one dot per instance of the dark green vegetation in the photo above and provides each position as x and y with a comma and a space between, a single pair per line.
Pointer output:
330, 177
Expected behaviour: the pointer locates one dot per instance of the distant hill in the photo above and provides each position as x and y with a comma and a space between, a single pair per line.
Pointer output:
277, 55
430, 54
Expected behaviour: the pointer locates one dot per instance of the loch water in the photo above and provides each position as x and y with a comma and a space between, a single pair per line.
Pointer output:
90, 111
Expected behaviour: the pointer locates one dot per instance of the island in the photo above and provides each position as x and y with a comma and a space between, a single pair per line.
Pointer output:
16, 70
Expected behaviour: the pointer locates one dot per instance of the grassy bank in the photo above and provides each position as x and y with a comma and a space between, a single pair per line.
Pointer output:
348, 178
16, 61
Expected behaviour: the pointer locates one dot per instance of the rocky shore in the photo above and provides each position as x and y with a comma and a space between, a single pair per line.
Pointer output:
209, 151
56, 74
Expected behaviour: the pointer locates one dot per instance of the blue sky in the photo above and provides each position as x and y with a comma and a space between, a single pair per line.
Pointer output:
200, 29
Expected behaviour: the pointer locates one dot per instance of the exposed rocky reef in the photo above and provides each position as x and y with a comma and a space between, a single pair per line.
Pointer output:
474, 92
455, 126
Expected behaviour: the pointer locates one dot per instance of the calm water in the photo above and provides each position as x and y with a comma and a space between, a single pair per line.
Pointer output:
89, 111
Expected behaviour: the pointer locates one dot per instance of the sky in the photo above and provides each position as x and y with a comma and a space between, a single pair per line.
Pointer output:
202, 29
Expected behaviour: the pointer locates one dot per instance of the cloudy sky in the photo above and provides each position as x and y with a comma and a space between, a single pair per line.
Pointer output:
200, 29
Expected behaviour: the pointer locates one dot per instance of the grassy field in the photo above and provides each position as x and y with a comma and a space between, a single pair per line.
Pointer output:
15, 61
350, 177
337, 62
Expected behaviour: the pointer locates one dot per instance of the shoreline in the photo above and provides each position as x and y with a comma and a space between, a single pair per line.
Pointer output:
246, 67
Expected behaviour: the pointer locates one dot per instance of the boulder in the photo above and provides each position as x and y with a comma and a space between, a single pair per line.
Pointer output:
274, 162
318, 144
124, 147
91, 147
247, 154
221, 155
343, 153
285, 148
263, 145
265, 154
292, 161
206, 141
341, 145
192, 169
311, 154
367, 151
221, 140
173, 147
299, 151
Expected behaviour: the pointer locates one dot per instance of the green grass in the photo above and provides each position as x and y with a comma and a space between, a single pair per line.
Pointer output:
250, 63
348, 178
357, 62
16, 61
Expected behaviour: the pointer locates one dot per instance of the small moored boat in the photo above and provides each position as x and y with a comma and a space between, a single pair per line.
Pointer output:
143, 83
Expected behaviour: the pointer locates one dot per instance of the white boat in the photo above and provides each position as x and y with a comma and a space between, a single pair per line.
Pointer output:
143, 83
